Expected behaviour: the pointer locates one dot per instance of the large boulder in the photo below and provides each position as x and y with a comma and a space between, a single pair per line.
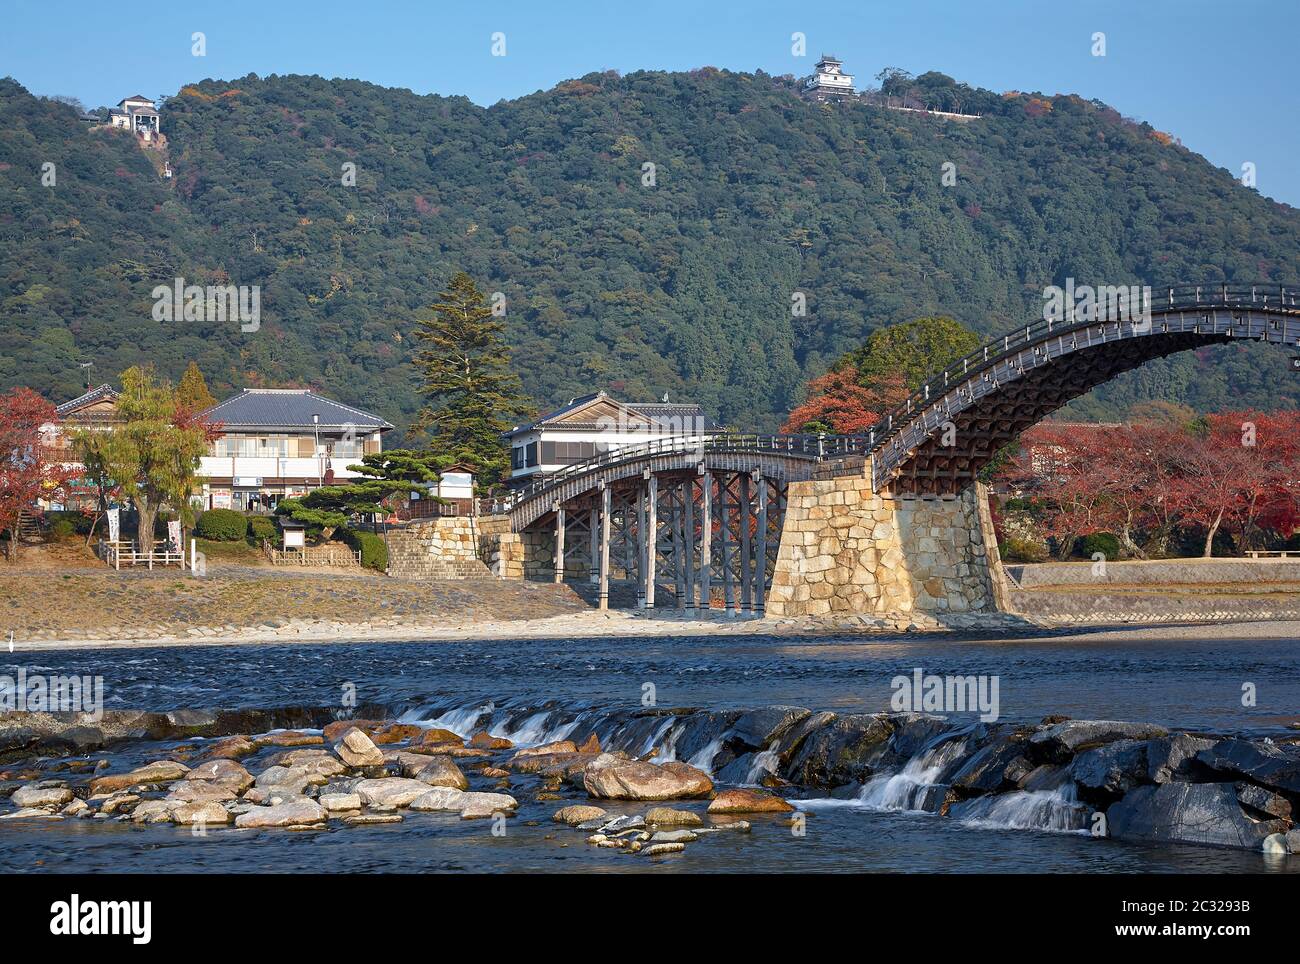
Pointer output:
997, 765
231, 748
748, 801
1268, 764
159, 771
437, 737
576, 814
296, 813
358, 750
757, 728
609, 777
391, 791
553, 764
333, 731
35, 795
1113, 768
1264, 802
843, 751
478, 805
1192, 813
668, 817
1173, 757
440, 771
1062, 740
546, 749
201, 813
222, 772
439, 798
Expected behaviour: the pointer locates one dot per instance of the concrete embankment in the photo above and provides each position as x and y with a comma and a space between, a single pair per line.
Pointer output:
1175, 590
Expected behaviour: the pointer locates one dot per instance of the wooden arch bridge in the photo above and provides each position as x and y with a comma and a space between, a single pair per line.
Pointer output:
701, 518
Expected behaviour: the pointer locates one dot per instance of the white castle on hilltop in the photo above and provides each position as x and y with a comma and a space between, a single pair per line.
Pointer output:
829, 82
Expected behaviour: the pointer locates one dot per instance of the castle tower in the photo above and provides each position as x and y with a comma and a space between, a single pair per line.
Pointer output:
829, 82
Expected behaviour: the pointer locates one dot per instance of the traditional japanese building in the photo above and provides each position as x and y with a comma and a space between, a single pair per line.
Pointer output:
829, 82
96, 409
137, 114
593, 425
279, 442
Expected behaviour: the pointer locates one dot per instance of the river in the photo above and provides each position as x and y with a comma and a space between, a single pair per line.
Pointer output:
1186, 683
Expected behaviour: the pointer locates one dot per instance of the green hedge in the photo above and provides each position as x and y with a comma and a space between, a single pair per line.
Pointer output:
1022, 550
374, 552
222, 525
1101, 542
261, 528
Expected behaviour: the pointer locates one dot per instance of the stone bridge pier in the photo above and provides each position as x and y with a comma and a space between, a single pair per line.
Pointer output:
847, 550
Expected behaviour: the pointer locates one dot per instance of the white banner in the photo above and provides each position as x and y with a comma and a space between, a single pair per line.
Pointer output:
114, 527
174, 536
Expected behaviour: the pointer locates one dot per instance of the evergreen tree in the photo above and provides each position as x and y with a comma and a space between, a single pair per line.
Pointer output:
473, 396
192, 393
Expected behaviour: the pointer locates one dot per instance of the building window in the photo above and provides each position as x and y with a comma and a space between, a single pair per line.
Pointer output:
567, 453
530, 457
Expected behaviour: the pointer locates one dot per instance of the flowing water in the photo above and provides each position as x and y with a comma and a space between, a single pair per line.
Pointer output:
535, 691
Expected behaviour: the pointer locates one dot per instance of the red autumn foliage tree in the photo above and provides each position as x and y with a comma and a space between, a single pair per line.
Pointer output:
839, 403
27, 472
1234, 472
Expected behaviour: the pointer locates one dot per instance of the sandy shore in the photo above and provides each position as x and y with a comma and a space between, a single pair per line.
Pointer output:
631, 624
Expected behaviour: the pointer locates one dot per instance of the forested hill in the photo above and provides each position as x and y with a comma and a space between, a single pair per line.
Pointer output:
682, 287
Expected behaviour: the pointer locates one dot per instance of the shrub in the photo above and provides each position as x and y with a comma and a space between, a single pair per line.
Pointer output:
1100, 542
222, 525
1022, 550
261, 528
374, 553
60, 521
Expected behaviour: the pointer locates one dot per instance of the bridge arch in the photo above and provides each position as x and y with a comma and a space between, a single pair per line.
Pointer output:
948, 430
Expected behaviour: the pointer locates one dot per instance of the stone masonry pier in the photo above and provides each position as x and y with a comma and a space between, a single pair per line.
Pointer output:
847, 550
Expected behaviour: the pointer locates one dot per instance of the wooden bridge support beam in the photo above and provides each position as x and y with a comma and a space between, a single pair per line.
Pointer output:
559, 543
706, 538
688, 541
746, 547
760, 583
724, 537
652, 539
605, 495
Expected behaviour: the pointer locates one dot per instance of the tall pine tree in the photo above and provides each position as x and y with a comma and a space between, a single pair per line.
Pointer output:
473, 396
192, 392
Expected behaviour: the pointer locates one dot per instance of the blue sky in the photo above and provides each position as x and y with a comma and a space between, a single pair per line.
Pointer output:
1217, 75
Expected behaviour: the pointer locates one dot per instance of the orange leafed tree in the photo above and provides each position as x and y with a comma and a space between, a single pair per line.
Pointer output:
840, 404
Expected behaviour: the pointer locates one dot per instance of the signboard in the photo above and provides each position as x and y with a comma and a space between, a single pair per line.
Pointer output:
293, 538
247, 481
114, 524
221, 498
1295, 363
174, 536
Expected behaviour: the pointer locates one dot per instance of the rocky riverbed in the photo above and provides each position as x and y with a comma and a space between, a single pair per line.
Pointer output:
651, 783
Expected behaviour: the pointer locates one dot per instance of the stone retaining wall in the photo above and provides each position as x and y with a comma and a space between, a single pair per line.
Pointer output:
1163, 572
442, 548
845, 550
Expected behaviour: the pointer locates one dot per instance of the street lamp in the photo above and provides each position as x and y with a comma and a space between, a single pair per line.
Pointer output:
315, 431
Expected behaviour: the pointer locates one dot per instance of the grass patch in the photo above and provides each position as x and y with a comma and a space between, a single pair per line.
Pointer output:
240, 552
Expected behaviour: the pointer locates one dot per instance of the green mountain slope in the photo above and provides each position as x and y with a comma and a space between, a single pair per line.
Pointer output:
682, 287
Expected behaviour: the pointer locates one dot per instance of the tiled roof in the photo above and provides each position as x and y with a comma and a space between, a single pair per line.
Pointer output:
268, 408
104, 391
670, 414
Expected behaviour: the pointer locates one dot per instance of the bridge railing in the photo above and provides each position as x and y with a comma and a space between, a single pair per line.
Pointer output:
1157, 301
812, 447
